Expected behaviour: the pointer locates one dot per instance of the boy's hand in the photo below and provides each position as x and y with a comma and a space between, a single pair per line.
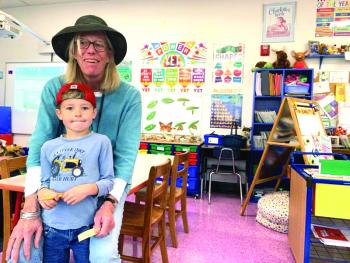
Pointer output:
79, 193
48, 198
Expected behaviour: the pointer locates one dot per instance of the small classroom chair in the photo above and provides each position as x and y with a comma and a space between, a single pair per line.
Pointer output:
139, 220
225, 153
175, 194
7, 166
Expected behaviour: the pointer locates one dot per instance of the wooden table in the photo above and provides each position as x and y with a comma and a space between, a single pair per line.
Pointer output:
143, 164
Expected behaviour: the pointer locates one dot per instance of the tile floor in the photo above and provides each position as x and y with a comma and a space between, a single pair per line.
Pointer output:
219, 234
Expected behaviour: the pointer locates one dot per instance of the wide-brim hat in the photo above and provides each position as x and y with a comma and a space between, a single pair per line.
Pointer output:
89, 23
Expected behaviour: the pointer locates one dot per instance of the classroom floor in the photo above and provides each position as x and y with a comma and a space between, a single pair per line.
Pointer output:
219, 234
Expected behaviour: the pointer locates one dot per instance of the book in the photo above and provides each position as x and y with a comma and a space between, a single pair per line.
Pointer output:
333, 236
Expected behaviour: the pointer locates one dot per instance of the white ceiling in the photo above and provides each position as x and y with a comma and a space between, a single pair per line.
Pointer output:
4, 4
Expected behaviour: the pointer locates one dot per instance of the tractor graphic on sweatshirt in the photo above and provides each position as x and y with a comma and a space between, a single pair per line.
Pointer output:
66, 165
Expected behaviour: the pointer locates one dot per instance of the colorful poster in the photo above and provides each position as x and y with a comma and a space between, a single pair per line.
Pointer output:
333, 18
171, 113
225, 108
279, 22
175, 66
228, 65
124, 70
342, 18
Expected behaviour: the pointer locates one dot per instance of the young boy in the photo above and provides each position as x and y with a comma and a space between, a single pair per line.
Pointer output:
77, 167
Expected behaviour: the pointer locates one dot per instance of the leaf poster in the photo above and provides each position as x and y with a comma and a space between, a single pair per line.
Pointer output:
173, 66
225, 108
228, 65
171, 113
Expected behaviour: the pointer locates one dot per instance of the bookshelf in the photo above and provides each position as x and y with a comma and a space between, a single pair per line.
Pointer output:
269, 99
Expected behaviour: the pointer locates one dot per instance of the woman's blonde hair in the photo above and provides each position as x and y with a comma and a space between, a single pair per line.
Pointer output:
74, 74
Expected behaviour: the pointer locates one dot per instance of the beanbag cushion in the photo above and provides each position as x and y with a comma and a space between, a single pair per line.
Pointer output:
273, 211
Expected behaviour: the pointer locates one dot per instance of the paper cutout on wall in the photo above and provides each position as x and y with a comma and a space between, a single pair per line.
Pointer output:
171, 113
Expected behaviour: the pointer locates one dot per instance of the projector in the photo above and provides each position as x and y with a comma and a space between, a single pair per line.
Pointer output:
8, 27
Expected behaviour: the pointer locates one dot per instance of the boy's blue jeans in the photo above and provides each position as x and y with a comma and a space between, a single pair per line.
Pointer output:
58, 243
102, 250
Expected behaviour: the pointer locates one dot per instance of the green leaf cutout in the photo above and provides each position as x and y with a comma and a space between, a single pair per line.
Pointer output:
150, 127
192, 108
151, 115
152, 104
193, 125
167, 100
183, 100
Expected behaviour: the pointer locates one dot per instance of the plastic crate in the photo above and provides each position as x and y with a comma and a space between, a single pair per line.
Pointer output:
5, 117
213, 139
160, 152
192, 171
161, 147
193, 162
143, 151
192, 185
143, 146
192, 155
184, 148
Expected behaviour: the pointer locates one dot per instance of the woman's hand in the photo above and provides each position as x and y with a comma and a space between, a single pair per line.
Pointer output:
48, 198
24, 231
104, 221
79, 193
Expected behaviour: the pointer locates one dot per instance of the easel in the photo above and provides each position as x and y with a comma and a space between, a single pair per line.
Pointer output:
296, 120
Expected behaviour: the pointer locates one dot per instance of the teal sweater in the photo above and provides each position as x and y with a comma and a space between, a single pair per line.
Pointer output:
120, 121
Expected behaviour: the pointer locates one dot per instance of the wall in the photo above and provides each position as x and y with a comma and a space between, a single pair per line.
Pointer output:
164, 20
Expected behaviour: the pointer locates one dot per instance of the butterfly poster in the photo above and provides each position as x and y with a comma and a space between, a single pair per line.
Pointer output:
171, 113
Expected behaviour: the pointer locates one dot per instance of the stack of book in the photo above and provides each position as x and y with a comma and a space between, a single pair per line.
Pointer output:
332, 236
265, 116
268, 84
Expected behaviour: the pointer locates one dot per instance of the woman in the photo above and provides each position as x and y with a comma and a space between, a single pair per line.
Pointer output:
92, 51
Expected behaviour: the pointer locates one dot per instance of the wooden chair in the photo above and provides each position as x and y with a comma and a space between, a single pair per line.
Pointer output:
7, 166
175, 195
139, 220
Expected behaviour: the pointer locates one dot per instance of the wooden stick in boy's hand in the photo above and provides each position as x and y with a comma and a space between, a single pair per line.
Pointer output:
50, 197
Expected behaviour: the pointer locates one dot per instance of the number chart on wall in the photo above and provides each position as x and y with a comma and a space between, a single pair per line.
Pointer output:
225, 108
173, 67
171, 113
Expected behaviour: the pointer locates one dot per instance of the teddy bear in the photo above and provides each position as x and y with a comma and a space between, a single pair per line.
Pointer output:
300, 59
282, 60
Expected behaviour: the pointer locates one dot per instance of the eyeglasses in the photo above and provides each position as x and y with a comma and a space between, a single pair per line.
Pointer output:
98, 45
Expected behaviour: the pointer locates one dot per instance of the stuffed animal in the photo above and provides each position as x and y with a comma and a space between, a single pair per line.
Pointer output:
282, 60
300, 59
262, 65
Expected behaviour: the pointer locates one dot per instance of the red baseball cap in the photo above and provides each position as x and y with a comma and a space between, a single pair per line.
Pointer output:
89, 94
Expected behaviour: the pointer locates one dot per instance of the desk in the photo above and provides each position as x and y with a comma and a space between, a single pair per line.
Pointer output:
207, 151
143, 164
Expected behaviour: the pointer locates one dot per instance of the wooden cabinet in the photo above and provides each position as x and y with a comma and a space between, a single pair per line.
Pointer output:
305, 247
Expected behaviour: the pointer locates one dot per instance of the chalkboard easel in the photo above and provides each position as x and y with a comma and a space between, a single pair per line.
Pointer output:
297, 124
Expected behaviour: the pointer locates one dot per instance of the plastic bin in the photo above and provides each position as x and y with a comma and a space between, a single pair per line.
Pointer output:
160, 152
192, 171
161, 147
184, 148
143, 145
143, 151
213, 139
